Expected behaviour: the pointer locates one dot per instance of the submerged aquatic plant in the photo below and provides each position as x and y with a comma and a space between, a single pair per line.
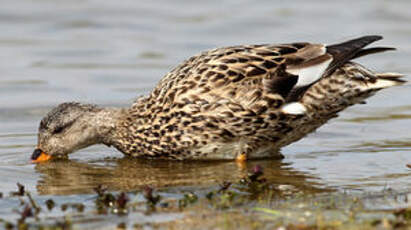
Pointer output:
148, 193
107, 202
50, 204
224, 186
20, 190
246, 203
404, 213
27, 212
188, 198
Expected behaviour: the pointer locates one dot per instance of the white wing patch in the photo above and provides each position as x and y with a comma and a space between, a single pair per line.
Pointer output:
310, 74
294, 108
314, 66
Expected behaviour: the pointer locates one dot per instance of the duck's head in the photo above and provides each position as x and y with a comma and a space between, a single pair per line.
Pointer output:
67, 128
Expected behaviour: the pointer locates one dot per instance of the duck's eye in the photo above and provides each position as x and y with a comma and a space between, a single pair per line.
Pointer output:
58, 129
61, 128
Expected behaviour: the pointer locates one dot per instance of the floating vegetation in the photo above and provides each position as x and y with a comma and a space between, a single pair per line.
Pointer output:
189, 198
251, 202
152, 199
404, 213
50, 204
109, 203
74, 206
20, 190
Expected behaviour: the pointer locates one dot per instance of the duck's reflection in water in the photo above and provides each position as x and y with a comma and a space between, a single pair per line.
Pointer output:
126, 174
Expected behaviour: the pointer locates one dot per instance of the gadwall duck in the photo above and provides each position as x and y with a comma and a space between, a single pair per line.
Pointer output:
238, 102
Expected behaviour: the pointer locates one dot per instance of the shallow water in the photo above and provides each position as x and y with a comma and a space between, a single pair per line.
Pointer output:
110, 52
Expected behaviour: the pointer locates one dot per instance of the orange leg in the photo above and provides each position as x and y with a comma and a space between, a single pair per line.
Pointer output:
241, 160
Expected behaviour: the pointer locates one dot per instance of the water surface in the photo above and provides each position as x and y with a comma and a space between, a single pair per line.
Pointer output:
111, 52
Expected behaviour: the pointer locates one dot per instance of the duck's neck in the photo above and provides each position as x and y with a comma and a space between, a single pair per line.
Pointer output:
106, 121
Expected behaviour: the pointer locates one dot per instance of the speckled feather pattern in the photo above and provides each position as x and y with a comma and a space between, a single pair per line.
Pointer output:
227, 101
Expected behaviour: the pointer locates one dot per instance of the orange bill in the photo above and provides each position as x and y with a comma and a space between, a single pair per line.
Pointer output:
39, 156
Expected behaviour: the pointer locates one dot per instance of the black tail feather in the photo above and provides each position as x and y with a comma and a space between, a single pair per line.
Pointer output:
348, 50
373, 50
343, 53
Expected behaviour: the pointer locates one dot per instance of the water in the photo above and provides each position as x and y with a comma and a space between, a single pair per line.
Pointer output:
111, 52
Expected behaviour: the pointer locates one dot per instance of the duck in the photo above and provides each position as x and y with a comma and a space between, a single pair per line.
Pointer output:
232, 103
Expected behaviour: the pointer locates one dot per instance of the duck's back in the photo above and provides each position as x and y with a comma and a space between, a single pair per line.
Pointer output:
247, 99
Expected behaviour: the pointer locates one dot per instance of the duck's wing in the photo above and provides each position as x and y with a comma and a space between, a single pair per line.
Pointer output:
284, 69
274, 68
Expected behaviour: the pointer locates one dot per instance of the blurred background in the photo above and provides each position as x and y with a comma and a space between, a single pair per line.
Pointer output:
110, 52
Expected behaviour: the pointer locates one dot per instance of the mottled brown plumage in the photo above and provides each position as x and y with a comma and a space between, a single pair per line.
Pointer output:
250, 99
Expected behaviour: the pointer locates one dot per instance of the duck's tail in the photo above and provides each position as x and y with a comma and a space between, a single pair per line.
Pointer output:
346, 51
385, 80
